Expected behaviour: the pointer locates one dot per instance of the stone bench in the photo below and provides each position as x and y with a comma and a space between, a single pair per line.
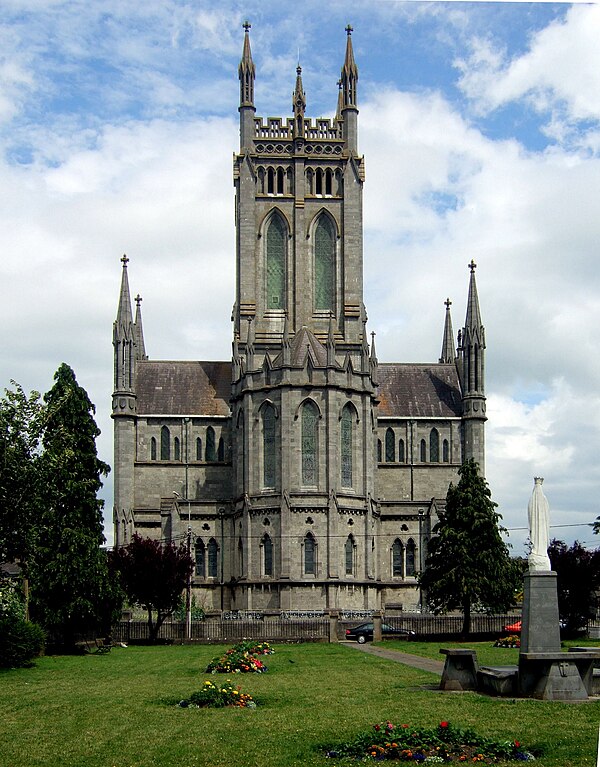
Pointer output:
460, 670
558, 675
498, 680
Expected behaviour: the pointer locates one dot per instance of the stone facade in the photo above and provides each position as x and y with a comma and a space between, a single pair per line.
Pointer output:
308, 472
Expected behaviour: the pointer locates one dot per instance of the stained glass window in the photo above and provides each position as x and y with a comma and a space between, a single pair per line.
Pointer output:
434, 446
397, 558
276, 263
211, 454
310, 562
346, 446
267, 546
213, 554
349, 555
200, 558
310, 417
390, 446
410, 557
268, 417
165, 444
324, 264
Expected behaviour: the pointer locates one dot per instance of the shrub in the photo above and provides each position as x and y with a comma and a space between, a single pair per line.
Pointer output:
218, 696
20, 642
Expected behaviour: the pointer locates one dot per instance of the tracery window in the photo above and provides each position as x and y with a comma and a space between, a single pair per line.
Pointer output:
210, 454
269, 463
410, 557
165, 444
267, 555
346, 446
324, 264
213, 557
434, 446
200, 558
349, 555
276, 232
310, 422
390, 446
310, 555
397, 558
401, 454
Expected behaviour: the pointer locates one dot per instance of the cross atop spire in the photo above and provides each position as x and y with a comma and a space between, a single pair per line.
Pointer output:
124, 261
349, 30
138, 300
472, 266
247, 26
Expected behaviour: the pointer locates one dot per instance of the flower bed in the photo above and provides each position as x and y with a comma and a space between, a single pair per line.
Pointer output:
242, 658
436, 745
218, 696
510, 641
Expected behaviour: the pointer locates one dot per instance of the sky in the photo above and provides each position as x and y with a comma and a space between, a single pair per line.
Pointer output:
480, 127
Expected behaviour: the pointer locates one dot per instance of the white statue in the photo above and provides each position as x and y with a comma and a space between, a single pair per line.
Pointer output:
539, 529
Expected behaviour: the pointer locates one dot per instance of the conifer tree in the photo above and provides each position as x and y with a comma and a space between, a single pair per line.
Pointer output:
70, 585
468, 564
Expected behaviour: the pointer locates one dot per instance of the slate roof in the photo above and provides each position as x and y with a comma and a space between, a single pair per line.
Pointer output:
418, 391
183, 388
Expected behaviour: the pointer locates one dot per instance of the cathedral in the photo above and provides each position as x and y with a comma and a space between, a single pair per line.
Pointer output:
307, 473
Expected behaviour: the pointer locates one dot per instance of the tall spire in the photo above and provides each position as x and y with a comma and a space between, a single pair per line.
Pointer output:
473, 319
298, 104
246, 71
447, 355
124, 313
140, 347
124, 337
349, 110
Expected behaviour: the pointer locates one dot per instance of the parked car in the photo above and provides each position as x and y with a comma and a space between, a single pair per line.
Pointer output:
513, 628
364, 632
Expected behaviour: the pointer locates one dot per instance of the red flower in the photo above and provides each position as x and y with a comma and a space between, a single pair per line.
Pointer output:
444, 725
517, 744
405, 726
377, 728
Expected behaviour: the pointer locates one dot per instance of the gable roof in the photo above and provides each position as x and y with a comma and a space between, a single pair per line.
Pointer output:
183, 388
418, 391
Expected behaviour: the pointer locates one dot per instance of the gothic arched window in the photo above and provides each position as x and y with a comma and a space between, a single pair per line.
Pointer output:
401, 457
397, 558
423, 451
210, 454
153, 449
324, 264
379, 451
213, 558
198, 449
240, 557
269, 460
310, 555
165, 444
177, 449
410, 557
221, 450
390, 446
349, 555
200, 558
276, 235
267, 555
310, 446
446, 451
434, 446
346, 446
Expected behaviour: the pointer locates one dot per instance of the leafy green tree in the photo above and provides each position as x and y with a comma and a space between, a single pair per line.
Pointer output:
578, 580
153, 575
468, 564
71, 591
20, 429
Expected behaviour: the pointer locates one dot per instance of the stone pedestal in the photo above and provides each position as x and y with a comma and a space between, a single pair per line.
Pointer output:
540, 630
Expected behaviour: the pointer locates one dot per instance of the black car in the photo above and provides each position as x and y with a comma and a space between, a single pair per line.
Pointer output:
364, 632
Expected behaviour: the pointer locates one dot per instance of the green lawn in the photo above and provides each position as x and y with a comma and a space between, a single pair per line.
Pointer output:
112, 710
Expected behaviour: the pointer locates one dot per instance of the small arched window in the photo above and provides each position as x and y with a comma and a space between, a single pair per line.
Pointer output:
397, 558
390, 446
165, 444
310, 446
200, 558
446, 451
213, 558
269, 462
401, 454
198, 449
211, 454
346, 445
349, 550
434, 446
221, 450
267, 555
379, 451
240, 557
423, 451
280, 176
410, 558
153, 449
177, 449
310, 555
324, 264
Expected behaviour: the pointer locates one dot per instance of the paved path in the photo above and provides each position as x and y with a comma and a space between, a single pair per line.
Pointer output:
416, 661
